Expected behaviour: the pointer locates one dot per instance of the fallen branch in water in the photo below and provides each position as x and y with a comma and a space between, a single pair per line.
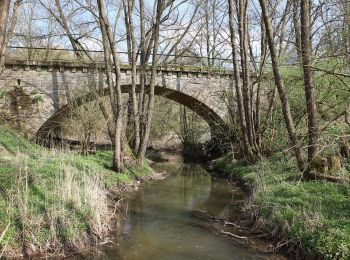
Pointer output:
228, 224
232, 235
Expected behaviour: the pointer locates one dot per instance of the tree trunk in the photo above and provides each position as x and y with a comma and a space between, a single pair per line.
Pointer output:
143, 69
108, 120
132, 49
281, 90
111, 57
13, 23
257, 121
144, 140
236, 77
308, 81
78, 48
296, 23
4, 12
207, 36
246, 87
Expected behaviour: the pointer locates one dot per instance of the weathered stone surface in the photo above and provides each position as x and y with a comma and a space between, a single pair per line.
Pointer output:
57, 83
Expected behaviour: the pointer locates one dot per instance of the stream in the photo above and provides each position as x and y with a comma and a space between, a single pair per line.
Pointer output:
160, 220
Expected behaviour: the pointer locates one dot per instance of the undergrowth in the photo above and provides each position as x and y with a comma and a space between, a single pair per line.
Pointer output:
311, 216
54, 201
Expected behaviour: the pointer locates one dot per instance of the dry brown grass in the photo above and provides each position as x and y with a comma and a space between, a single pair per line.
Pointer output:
64, 209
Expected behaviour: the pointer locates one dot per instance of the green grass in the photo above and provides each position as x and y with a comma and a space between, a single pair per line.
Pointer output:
314, 216
55, 201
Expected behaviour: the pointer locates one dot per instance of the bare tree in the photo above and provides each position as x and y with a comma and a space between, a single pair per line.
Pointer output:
281, 90
4, 12
144, 138
62, 20
112, 64
308, 81
13, 22
296, 23
129, 6
236, 76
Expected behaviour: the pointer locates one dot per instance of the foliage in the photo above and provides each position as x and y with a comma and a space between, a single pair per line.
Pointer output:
312, 215
36, 99
2, 95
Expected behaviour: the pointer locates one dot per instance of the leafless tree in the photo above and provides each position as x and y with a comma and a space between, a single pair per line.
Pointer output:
237, 86
305, 36
112, 65
129, 7
156, 24
4, 13
281, 90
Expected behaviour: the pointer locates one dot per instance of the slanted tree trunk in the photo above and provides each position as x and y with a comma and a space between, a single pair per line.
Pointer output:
61, 19
180, 39
281, 90
108, 120
4, 12
308, 80
64, 23
13, 22
280, 30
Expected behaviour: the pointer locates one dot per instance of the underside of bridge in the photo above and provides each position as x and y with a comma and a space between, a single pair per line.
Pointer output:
52, 126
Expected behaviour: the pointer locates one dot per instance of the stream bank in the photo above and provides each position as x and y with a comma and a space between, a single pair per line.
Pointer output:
307, 219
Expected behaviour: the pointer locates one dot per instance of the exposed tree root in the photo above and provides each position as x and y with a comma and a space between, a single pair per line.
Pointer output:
336, 179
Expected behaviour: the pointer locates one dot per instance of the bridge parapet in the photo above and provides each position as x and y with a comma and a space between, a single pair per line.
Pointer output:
86, 66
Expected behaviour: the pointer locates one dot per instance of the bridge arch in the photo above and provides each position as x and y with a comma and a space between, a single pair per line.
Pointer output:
215, 122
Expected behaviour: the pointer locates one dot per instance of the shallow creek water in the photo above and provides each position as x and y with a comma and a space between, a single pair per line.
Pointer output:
160, 220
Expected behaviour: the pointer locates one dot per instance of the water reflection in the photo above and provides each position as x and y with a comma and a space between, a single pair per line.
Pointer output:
160, 223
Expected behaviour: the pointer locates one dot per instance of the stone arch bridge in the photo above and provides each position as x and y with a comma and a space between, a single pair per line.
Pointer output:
50, 85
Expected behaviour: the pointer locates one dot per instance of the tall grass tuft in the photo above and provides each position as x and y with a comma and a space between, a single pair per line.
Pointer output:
52, 211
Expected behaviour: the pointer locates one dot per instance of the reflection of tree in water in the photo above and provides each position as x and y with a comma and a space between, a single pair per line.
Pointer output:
220, 201
171, 168
219, 197
194, 185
